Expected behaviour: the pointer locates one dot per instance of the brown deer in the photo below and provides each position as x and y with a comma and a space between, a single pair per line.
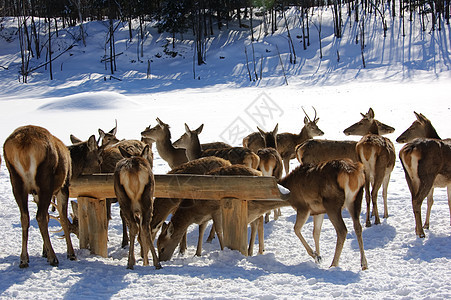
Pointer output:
287, 142
377, 154
270, 160
41, 165
327, 188
236, 155
161, 135
134, 187
426, 163
362, 127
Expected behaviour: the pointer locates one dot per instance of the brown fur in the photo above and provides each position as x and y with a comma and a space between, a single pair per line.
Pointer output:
426, 164
161, 135
378, 156
39, 164
327, 188
362, 127
236, 155
134, 187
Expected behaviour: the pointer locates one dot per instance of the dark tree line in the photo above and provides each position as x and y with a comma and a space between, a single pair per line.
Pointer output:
202, 18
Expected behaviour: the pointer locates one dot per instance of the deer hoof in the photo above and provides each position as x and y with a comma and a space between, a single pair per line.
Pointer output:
71, 257
426, 226
23, 264
158, 267
54, 262
368, 224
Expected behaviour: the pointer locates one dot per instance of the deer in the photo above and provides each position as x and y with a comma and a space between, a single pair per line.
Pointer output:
426, 163
134, 186
287, 142
327, 188
161, 135
236, 155
377, 154
270, 160
163, 207
41, 165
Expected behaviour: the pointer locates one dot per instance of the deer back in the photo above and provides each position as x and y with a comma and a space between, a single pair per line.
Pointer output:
316, 151
270, 162
111, 154
335, 179
236, 155
134, 184
35, 155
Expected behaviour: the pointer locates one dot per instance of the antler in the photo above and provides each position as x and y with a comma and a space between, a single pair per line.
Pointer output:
314, 118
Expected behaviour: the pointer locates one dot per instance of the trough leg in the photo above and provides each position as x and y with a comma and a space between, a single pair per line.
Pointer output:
234, 216
93, 225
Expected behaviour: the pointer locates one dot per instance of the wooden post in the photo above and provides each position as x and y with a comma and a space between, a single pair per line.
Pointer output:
93, 225
234, 218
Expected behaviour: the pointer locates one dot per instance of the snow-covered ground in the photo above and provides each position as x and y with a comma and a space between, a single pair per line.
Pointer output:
403, 74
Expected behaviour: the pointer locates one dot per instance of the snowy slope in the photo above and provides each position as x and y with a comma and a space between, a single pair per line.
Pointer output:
403, 75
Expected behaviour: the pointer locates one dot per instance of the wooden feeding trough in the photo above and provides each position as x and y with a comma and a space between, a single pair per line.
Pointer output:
234, 192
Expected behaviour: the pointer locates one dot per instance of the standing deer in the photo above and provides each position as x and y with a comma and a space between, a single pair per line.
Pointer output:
270, 160
327, 188
236, 155
377, 153
134, 187
426, 163
161, 135
287, 142
41, 165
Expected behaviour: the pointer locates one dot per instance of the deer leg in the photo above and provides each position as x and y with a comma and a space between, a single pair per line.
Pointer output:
155, 259
385, 193
183, 245
375, 189
144, 241
267, 215
124, 229
62, 204
42, 216
367, 198
261, 235
354, 209
286, 165
337, 221
217, 224
22, 201
250, 249
202, 228
317, 224
211, 236
276, 214
131, 250
301, 218
430, 198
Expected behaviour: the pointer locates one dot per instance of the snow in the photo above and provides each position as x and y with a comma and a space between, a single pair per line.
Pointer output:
403, 74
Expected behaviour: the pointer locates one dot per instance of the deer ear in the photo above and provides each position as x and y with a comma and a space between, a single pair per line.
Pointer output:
276, 129
92, 143
370, 113
305, 120
124, 153
74, 139
167, 230
199, 130
418, 116
145, 152
101, 133
160, 122
114, 130
261, 131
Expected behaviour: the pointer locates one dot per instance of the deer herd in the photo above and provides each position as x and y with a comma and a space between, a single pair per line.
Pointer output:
332, 175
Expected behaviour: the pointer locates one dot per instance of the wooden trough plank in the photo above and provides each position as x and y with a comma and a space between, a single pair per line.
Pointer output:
185, 186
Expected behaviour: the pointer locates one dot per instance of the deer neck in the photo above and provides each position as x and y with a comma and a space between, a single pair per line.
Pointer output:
432, 133
303, 135
165, 148
193, 150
